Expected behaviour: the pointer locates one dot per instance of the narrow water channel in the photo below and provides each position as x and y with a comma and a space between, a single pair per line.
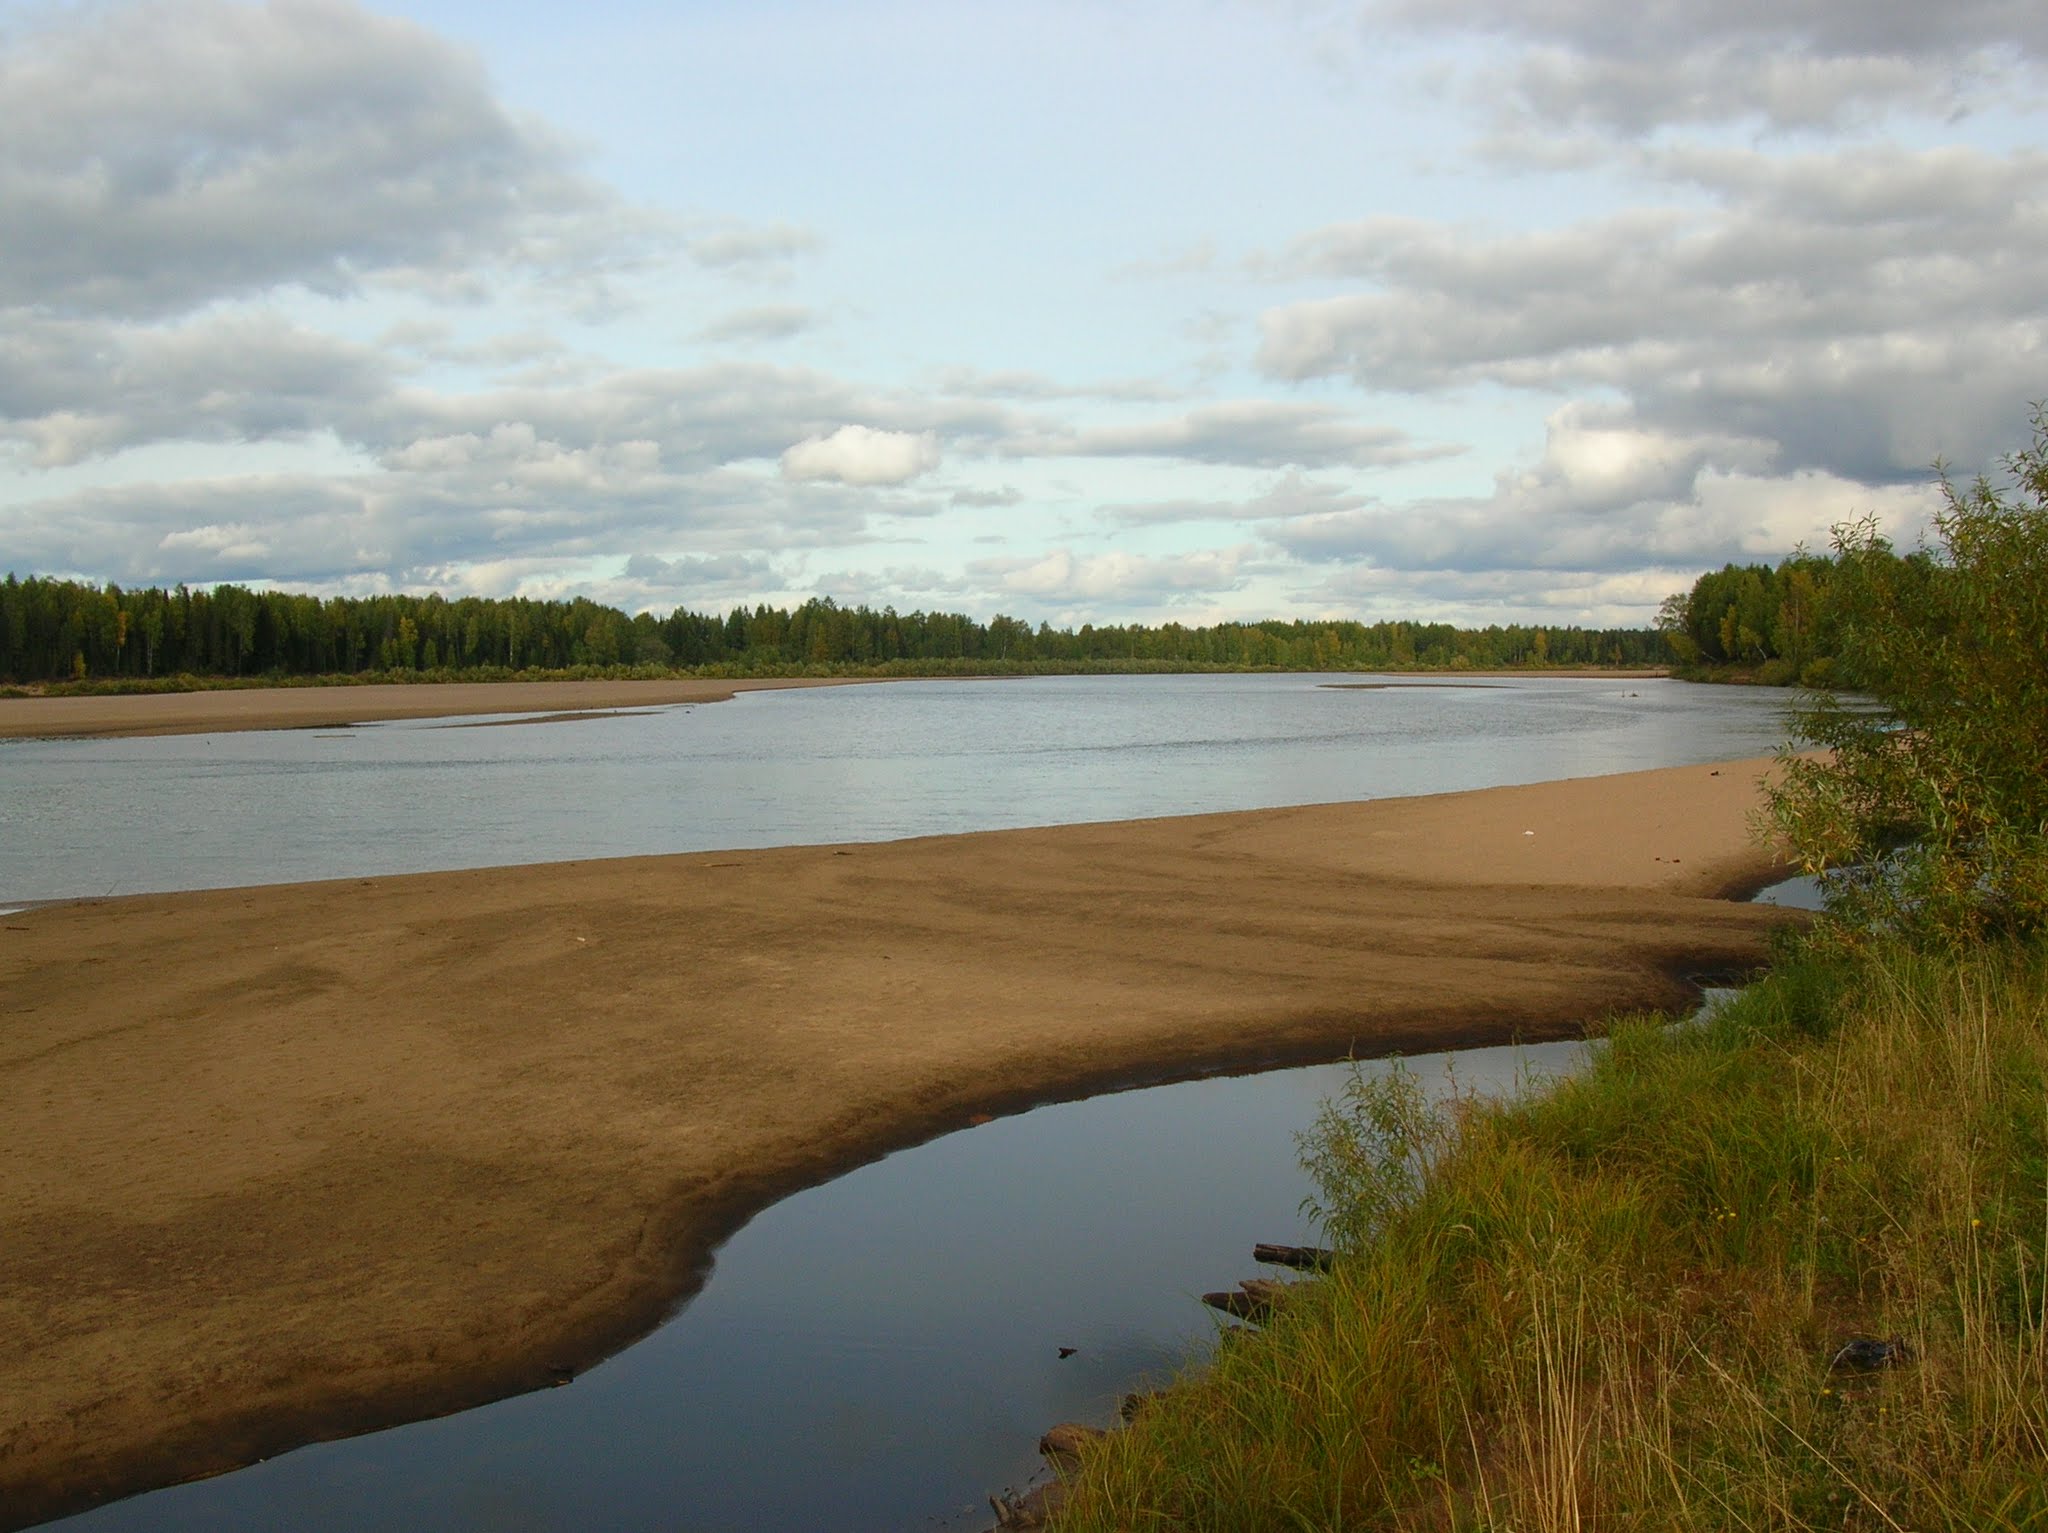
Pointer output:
877, 1353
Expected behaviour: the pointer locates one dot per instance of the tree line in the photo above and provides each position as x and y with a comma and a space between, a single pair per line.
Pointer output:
62, 630
1785, 624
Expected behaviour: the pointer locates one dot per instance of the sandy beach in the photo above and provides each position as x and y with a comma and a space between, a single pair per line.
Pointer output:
191, 713
293, 1162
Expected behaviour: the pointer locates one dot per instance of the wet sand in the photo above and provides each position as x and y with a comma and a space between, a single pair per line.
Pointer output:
192, 713
294, 1162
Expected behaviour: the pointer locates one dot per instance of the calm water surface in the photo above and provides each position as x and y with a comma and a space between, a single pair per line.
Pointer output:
880, 1352
98, 817
874, 1355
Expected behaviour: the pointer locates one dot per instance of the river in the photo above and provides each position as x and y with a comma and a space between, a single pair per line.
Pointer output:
882, 1351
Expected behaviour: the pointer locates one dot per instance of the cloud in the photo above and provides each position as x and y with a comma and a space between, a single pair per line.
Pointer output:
1587, 598
1619, 66
1292, 496
72, 390
509, 495
724, 413
1020, 383
251, 528
901, 586
1008, 495
753, 250
1129, 579
1607, 495
767, 322
699, 581
1864, 310
157, 156
1257, 433
862, 455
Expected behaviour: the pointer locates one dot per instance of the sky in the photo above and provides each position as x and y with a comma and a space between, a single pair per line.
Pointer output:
1460, 310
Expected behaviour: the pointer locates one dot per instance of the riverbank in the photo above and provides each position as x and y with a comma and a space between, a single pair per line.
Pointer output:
1777, 1268
241, 708
295, 1162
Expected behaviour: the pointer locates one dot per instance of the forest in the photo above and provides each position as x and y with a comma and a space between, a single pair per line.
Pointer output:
62, 631
1784, 625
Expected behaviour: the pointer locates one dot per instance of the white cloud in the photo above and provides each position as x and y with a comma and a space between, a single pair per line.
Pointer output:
155, 156
1061, 575
1606, 497
862, 455
1590, 599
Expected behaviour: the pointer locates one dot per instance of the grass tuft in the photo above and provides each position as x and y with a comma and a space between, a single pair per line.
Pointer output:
1613, 1303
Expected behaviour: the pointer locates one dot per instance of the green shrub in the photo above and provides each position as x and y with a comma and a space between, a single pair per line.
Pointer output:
1929, 814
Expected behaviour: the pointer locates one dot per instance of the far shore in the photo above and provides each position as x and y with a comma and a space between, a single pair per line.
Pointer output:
295, 1162
239, 708
224, 709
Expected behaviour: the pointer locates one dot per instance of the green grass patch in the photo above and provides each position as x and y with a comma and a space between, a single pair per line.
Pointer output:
1614, 1303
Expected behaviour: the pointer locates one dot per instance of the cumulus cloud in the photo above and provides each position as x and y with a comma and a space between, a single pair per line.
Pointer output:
157, 156
1590, 599
1607, 495
650, 582
1060, 575
862, 455
253, 527
1864, 310
1622, 66
902, 586
71, 390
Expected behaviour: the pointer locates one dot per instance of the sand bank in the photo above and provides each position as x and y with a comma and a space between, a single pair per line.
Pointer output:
193, 713
299, 1161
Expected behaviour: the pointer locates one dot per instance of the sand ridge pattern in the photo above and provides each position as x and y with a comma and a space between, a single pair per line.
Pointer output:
292, 1162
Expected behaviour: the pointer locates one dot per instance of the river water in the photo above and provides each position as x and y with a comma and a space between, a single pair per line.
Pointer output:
98, 817
880, 1352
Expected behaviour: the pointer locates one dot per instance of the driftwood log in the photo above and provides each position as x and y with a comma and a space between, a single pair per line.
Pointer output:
1254, 1299
1062, 1447
1301, 1258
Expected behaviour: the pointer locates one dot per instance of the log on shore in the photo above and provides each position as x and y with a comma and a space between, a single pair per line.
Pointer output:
1300, 1258
1254, 1299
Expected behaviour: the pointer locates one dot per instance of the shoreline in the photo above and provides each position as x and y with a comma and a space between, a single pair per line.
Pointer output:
295, 1162
233, 709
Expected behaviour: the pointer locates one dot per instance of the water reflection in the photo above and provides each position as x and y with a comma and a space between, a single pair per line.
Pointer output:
878, 1353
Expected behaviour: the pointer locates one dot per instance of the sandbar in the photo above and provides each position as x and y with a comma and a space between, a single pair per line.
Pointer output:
314, 707
294, 1162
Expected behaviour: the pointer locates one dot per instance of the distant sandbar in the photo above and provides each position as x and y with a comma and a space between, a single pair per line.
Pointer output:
239, 708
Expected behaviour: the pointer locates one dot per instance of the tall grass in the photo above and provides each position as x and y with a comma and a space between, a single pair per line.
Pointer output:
1614, 1304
